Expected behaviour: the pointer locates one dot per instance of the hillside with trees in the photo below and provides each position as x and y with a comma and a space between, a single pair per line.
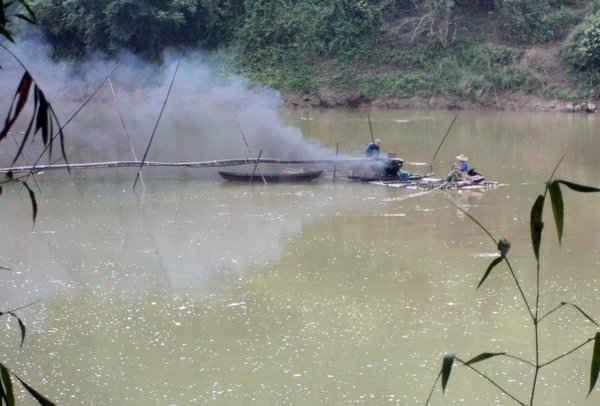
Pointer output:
490, 53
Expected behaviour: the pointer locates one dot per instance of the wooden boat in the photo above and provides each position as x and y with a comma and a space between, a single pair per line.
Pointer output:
282, 177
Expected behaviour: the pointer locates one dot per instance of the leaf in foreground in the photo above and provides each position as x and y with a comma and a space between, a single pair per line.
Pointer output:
7, 392
21, 327
446, 369
42, 400
579, 188
34, 206
489, 270
536, 225
18, 102
483, 356
595, 369
558, 208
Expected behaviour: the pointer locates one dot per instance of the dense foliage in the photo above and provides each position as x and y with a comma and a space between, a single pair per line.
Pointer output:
582, 48
394, 47
142, 26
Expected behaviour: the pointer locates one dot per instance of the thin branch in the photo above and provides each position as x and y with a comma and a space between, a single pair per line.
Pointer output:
524, 361
491, 381
442, 143
545, 364
514, 276
576, 307
474, 220
557, 165
552, 311
433, 388
162, 109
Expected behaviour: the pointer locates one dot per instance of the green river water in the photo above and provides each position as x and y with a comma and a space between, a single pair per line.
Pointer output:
203, 292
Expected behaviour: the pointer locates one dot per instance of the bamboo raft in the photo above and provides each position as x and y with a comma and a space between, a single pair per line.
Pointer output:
431, 183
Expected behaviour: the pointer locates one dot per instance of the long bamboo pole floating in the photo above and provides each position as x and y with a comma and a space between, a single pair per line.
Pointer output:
187, 164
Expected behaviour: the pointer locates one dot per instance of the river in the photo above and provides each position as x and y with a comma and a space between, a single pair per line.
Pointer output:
198, 291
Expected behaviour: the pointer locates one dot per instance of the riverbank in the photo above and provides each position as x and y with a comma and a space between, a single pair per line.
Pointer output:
513, 101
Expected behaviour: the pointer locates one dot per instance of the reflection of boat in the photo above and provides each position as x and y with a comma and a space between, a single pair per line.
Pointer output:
430, 183
281, 177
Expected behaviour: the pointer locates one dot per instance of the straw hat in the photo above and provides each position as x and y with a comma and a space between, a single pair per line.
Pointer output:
462, 157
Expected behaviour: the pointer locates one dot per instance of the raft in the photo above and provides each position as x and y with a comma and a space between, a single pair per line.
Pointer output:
431, 183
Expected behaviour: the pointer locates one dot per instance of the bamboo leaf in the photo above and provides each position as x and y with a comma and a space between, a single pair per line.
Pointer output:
2, 394
29, 129
34, 206
489, 270
21, 326
446, 369
9, 395
579, 188
595, 369
42, 400
483, 356
41, 120
18, 102
536, 225
558, 208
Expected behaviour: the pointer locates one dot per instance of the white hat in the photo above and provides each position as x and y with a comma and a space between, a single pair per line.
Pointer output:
462, 157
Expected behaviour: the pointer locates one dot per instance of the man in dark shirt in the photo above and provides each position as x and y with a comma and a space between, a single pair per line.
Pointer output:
373, 149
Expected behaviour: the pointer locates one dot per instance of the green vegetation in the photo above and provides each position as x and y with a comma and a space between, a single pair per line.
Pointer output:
532, 307
582, 48
390, 48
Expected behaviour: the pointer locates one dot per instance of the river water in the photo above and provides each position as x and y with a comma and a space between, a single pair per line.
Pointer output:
198, 291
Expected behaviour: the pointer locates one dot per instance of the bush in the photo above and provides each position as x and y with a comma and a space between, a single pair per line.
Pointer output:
142, 26
532, 21
308, 29
582, 47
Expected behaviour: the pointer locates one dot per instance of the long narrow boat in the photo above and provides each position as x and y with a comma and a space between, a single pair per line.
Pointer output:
282, 177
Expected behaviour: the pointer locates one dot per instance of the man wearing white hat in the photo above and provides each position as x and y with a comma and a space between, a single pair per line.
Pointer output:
460, 170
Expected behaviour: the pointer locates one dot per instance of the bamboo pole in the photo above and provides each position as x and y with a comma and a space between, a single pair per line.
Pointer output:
125, 132
337, 150
187, 164
162, 109
256, 167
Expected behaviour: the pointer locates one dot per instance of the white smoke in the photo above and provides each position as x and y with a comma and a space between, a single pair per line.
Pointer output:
208, 114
